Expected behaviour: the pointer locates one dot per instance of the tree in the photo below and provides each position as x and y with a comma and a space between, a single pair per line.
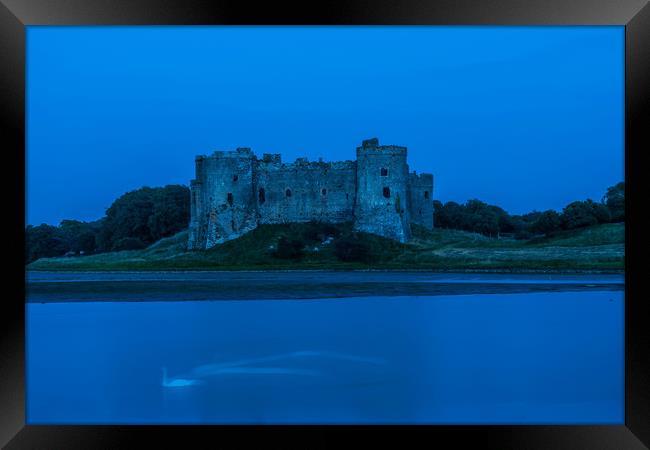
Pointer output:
582, 214
449, 216
171, 212
506, 223
80, 236
87, 242
437, 210
135, 220
44, 241
474, 215
481, 218
147, 214
576, 215
614, 199
547, 223
531, 217
600, 212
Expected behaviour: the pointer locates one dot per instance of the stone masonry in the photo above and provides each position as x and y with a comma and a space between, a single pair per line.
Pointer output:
234, 192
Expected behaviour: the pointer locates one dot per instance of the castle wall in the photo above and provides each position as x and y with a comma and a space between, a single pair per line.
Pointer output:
382, 191
421, 199
305, 191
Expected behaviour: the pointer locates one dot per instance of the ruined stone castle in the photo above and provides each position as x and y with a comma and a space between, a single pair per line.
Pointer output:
234, 192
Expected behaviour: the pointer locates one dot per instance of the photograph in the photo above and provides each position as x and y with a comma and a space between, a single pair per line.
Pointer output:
325, 225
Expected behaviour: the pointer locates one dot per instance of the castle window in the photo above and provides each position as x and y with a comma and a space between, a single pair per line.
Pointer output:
386, 192
426, 194
232, 225
323, 191
384, 172
235, 177
288, 193
420, 211
347, 196
261, 196
230, 198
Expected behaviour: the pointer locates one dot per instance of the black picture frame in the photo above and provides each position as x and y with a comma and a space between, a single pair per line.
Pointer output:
15, 15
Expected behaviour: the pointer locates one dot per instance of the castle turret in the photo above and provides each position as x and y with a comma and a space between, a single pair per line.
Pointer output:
382, 205
421, 199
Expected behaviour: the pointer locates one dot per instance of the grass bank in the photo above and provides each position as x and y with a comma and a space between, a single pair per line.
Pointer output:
595, 249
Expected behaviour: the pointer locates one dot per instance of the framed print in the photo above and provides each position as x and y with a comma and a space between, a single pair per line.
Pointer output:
415, 221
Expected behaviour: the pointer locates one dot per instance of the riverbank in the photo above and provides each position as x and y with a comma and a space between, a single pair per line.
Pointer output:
57, 287
597, 249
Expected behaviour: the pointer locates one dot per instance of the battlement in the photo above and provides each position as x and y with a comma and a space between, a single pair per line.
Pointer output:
370, 143
423, 179
304, 163
372, 147
274, 162
240, 152
272, 158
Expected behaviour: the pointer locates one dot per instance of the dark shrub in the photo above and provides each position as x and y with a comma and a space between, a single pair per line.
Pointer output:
351, 248
523, 234
289, 248
319, 231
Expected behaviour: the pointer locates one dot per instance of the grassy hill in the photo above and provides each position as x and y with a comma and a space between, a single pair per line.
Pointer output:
597, 248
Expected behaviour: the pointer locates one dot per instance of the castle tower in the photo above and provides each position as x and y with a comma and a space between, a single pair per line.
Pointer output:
383, 201
222, 199
421, 199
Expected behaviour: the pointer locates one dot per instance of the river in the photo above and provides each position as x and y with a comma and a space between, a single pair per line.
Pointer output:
324, 347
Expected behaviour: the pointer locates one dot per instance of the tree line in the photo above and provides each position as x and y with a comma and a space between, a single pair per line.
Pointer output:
490, 220
141, 217
135, 220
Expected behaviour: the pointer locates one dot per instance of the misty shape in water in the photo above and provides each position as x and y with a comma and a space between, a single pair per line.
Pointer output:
245, 366
175, 382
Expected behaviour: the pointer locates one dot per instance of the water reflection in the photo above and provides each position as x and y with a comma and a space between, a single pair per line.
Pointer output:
549, 357
249, 366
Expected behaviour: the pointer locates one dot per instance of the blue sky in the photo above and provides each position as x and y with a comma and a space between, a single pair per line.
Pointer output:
523, 117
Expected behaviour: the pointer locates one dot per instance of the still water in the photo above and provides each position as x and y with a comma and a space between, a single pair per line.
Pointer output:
492, 356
